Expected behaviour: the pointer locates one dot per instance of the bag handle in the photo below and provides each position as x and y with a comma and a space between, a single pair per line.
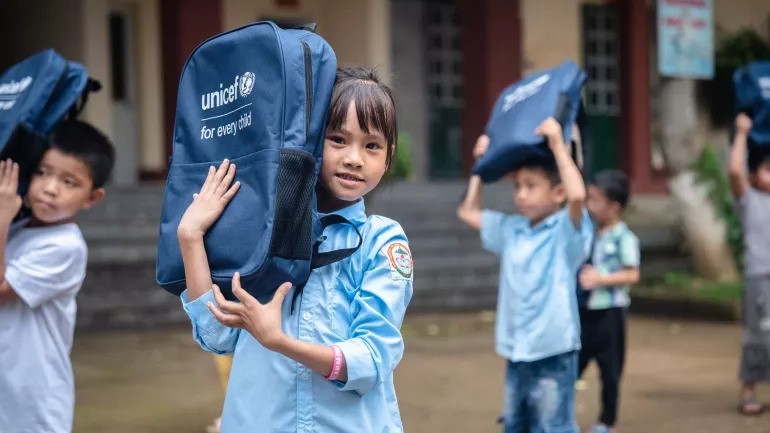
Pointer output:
311, 27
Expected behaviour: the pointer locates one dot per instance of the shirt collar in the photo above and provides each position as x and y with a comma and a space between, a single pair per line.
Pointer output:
548, 222
355, 213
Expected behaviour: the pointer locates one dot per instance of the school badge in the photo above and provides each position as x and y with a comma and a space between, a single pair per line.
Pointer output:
400, 259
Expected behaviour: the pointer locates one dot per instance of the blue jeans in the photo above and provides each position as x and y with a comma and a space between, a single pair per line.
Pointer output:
540, 395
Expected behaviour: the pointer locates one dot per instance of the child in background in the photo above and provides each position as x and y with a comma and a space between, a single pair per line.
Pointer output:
752, 192
42, 266
540, 251
614, 268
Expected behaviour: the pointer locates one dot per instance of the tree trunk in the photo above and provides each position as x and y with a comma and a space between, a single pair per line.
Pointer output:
681, 145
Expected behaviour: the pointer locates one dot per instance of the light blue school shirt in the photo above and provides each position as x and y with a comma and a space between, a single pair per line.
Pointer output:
537, 315
357, 304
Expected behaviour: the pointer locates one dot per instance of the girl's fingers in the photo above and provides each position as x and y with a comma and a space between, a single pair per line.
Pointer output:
209, 179
231, 192
224, 304
221, 172
246, 299
229, 320
15, 176
224, 185
280, 294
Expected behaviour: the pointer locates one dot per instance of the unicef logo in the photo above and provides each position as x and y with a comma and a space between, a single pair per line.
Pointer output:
247, 84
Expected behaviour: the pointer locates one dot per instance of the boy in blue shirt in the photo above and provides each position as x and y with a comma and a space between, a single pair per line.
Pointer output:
540, 249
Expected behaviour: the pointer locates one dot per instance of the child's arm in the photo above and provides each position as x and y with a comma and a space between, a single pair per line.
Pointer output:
470, 209
568, 171
590, 278
630, 259
10, 203
739, 181
263, 322
206, 208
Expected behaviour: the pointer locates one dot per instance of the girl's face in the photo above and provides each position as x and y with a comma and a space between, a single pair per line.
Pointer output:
354, 161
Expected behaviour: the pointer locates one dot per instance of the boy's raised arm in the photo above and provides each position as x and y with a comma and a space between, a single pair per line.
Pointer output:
568, 171
470, 209
10, 203
739, 181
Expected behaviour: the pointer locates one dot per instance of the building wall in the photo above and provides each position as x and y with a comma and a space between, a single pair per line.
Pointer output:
79, 31
409, 80
359, 30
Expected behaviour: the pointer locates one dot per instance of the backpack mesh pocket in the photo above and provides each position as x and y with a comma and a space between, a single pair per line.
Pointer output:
292, 226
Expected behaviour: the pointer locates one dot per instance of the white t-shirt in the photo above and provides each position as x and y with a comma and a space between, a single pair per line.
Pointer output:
45, 266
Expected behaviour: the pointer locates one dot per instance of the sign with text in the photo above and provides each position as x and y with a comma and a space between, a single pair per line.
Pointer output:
686, 38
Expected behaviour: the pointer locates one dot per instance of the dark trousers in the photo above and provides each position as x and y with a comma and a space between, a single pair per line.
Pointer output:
603, 336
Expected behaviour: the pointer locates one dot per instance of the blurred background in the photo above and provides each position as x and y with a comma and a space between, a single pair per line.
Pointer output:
660, 106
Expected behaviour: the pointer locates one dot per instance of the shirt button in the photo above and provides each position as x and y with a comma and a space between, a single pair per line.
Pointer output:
306, 316
305, 375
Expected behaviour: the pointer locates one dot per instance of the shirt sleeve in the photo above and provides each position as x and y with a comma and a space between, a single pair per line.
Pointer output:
493, 230
578, 240
376, 346
630, 256
47, 272
211, 335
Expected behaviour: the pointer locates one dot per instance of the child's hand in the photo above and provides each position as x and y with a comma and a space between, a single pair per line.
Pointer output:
551, 130
10, 201
481, 146
210, 202
589, 278
743, 124
262, 321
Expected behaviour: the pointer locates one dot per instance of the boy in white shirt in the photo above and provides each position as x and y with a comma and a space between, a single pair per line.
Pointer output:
42, 266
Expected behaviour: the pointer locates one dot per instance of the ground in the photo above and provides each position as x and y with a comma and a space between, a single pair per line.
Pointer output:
680, 377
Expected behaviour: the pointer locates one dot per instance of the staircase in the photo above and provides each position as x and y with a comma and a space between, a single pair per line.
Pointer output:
452, 272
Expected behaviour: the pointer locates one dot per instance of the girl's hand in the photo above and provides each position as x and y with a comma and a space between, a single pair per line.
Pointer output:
210, 202
262, 321
551, 130
10, 201
743, 124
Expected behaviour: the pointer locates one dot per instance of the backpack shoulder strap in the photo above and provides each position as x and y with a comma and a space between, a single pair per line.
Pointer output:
322, 259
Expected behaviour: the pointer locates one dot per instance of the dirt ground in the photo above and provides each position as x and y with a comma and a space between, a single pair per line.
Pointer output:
680, 378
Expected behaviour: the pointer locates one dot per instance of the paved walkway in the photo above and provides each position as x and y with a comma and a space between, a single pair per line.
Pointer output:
680, 378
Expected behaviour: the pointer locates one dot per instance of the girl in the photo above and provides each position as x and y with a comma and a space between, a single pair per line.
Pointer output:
329, 366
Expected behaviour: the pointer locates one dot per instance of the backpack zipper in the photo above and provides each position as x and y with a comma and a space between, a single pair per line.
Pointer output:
308, 87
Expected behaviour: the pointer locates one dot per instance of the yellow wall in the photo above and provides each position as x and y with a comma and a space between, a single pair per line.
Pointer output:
550, 33
358, 30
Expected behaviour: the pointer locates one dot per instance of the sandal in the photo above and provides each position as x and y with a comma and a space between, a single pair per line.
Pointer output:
750, 407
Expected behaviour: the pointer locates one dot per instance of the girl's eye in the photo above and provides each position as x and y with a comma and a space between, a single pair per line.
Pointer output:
337, 139
374, 146
39, 172
70, 182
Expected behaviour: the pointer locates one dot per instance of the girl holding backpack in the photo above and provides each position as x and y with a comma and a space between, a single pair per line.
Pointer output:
324, 361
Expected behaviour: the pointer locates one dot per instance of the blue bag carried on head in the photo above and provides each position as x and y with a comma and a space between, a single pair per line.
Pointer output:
752, 96
259, 96
35, 96
521, 108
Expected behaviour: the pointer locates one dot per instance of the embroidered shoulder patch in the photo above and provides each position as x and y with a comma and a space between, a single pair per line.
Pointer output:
400, 260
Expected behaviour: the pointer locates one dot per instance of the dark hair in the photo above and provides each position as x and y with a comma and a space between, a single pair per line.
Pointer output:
614, 184
89, 146
758, 155
375, 106
547, 164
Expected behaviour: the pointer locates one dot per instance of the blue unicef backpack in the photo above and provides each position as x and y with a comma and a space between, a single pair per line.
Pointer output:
521, 108
259, 96
35, 96
752, 96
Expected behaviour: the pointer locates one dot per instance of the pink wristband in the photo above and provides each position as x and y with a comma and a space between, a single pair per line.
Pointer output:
337, 365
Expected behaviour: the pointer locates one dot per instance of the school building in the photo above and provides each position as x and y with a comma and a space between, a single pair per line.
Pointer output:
447, 60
